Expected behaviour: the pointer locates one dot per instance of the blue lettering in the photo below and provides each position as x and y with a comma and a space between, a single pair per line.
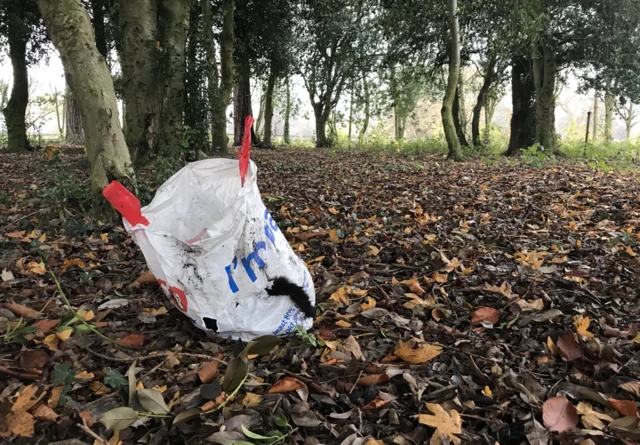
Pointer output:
232, 283
254, 256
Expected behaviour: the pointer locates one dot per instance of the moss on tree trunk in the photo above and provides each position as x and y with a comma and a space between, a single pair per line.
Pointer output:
16, 109
69, 26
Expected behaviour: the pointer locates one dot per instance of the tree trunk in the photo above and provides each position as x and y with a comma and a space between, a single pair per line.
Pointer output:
16, 109
259, 123
609, 102
321, 114
287, 116
462, 107
268, 110
481, 101
59, 113
173, 27
242, 106
455, 152
220, 82
595, 117
544, 74
489, 110
629, 121
98, 21
69, 27
349, 132
73, 118
457, 112
367, 109
400, 123
140, 64
523, 122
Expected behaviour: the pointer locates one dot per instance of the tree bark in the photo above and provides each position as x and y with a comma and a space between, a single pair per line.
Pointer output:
487, 80
268, 110
400, 123
462, 107
287, 116
457, 121
595, 117
544, 75
73, 118
16, 109
321, 114
523, 121
455, 152
629, 121
259, 123
609, 103
173, 28
69, 27
98, 21
220, 81
242, 106
367, 108
140, 64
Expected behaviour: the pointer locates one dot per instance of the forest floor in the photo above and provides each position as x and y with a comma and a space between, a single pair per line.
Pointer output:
457, 303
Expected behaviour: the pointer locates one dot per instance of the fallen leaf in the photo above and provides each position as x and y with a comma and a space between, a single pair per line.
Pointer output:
54, 397
287, 384
447, 424
251, 399
591, 419
20, 423
133, 339
568, 347
333, 236
34, 359
343, 324
37, 268
371, 303
146, 278
376, 403
373, 251
208, 372
504, 289
26, 399
373, 379
414, 286
45, 326
21, 311
18, 234
632, 387
64, 333
99, 388
6, 275
51, 341
624, 407
73, 262
485, 314
582, 326
84, 375
45, 413
558, 414
415, 351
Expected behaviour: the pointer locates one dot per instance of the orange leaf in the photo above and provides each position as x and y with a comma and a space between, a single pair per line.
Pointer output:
333, 236
376, 403
373, 379
87, 419
582, 326
132, 339
146, 278
68, 263
26, 400
45, 413
45, 326
287, 384
208, 372
414, 286
414, 351
558, 414
18, 234
55, 396
371, 303
624, 407
485, 314
20, 423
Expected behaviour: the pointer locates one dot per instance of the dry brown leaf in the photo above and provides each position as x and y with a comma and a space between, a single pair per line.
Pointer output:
146, 278
87, 419
26, 400
44, 326
20, 423
343, 324
558, 414
530, 305
447, 424
73, 262
485, 314
55, 396
373, 379
18, 234
624, 407
415, 351
251, 399
333, 236
504, 289
45, 413
373, 251
591, 419
21, 311
568, 347
99, 388
287, 384
36, 268
343, 293
632, 387
438, 277
208, 372
582, 326
84, 375
132, 339
51, 341
64, 333
553, 349
376, 403
34, 359
371, 303
414, 286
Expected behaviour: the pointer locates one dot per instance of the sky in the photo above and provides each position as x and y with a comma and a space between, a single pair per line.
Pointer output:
48, 76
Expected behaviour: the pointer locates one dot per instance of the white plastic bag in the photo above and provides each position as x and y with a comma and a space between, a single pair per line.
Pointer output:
214, 248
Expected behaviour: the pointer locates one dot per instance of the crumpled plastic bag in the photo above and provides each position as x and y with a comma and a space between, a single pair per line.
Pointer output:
214, 248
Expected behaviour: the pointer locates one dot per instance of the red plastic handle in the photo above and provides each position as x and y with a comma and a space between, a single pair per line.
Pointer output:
125, 203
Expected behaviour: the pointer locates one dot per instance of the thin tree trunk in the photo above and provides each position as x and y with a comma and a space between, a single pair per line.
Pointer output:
59, 113
455, 152
259, 121
481, 101
16, 109
524, 104
173, 27
140, 63
321, 114
457, 112
544, 77
367, 108
69, 27
220, 82
609, 103
73, 118
462, 106
489, 110
242, 106
629, 121
287, 116
268, 110
350, 116
595, 117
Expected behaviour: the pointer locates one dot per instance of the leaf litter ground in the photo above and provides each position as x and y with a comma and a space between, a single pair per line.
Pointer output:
457, 303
